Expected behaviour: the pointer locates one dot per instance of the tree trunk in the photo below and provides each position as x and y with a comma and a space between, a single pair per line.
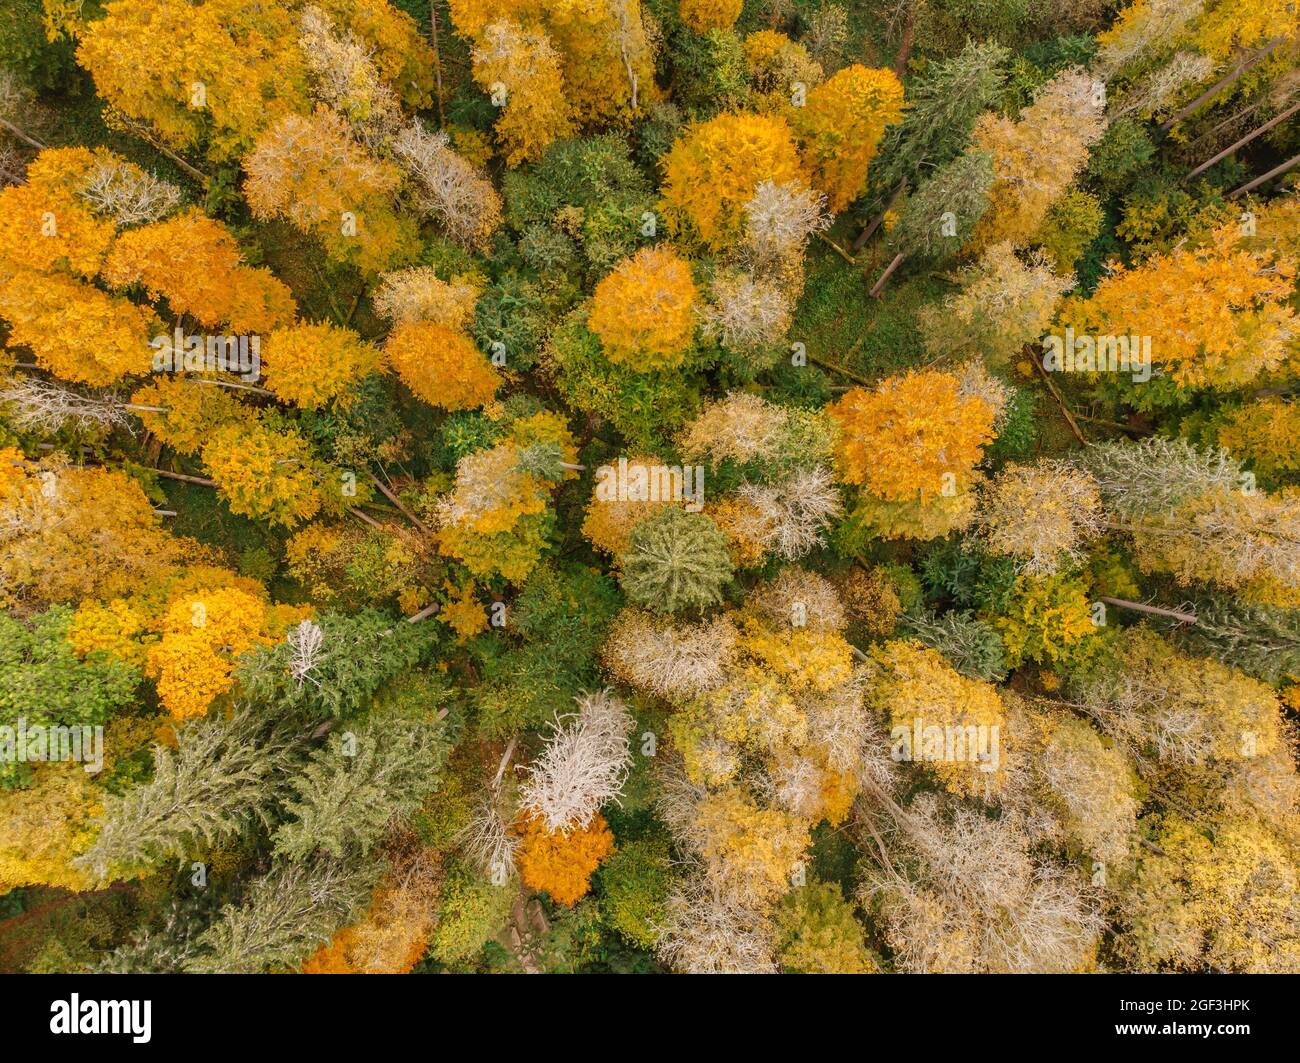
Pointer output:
1244, 140
1154, 610
880, 284
13, 129
861, 241
1277, 171
1222, 84
909, 38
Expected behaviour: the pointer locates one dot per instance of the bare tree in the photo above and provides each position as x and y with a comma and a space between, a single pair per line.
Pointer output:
305, 642
459, 197
36, 405
130, 195
585, 764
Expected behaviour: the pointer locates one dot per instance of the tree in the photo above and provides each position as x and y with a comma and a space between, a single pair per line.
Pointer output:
1071, 225
523, 66
931, 433
49, 225
748, 850
1261, 433
1037, 157
584, 764
456, 195
776, 66
1087, 787
98, 522
715, 168
1212, 895
674, 661
965, 895
442, 366
924, 231
417, 294
704, 15
129, 195
1048, 619
1261, 640
314, 364
916, 689
45, 826
1041, 515
1005, 302
394, 934
1140, 26
44, 683
184, 411
608, 61
289, 912
76, 331
561, 864
746, 314
358, 655
675, 561
193, 262
472, 910
495, 518
1181, 715
203, 633
748, 430
264, 471
780, 219
633, 886
242, 58
817, 933
1220, 310
344, 798
709, 929
841, 126
346, 79
943, 105
222, 776
644, 311
1194, 515
308, 170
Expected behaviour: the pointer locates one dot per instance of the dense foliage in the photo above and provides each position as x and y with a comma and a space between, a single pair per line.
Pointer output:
644, 485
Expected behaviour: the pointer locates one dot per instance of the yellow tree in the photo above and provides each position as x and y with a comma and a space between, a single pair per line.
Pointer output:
183, 412
561, 863
715, 168
210, 74
644, 311
308, 170
215, 73
192, 261
314, 364
441, 365
1041, 515
264, 471
705, 15
608, 65
1218, 314
926, 701
75, 330
96, 522
45, 225
1036, 158
840, 127
519, 69
495, 518
915, 436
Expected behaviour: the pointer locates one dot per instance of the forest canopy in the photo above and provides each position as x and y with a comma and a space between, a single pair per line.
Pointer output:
619, 486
